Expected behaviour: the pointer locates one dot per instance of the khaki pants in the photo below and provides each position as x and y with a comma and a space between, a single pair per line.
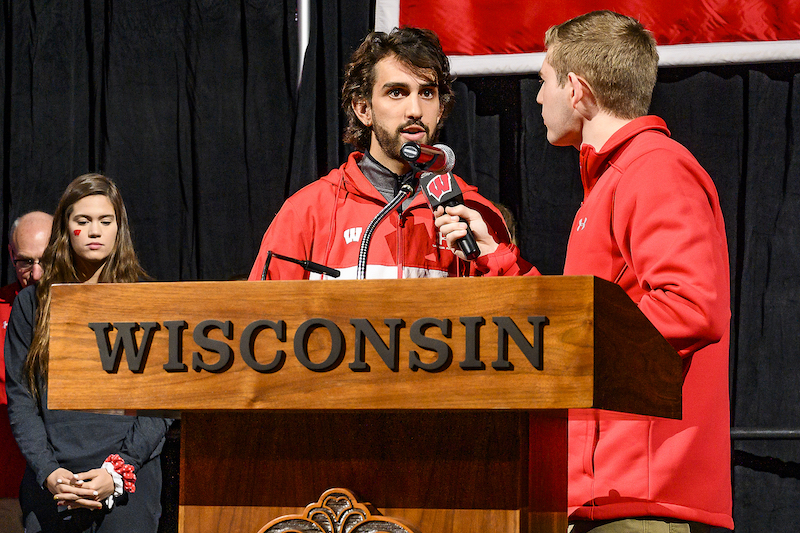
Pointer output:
637, 525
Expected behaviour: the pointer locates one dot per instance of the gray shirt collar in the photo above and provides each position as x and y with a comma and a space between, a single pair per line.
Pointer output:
384, 180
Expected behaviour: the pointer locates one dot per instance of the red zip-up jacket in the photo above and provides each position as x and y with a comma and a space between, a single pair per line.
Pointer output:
325, 221
651, 222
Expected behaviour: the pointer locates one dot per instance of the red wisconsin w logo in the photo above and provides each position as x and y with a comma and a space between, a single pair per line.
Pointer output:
439, 186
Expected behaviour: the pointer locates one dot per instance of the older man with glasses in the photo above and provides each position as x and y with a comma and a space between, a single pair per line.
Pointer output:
27, 241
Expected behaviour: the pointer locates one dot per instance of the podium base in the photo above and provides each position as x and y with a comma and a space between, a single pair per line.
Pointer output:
437, 471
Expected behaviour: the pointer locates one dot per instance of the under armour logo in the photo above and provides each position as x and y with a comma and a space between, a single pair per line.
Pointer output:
581, 224
352, 235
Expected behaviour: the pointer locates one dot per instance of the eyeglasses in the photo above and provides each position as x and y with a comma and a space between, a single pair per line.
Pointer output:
25, 264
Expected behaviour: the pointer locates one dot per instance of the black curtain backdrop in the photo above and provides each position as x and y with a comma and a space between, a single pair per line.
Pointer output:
194, 109
188, 106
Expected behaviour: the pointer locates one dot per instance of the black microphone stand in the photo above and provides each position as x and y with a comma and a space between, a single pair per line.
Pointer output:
406, 190
307, 265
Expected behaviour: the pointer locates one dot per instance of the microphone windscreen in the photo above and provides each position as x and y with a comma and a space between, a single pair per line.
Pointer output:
449, 155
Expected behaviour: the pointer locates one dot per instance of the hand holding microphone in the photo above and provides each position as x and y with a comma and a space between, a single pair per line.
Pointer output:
457, 221
439, 185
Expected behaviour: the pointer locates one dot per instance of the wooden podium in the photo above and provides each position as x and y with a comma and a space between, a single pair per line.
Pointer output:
442, 402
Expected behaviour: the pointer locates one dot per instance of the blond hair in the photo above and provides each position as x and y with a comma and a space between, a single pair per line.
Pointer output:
615, 54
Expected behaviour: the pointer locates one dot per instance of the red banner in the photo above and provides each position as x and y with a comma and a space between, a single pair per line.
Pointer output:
512, 27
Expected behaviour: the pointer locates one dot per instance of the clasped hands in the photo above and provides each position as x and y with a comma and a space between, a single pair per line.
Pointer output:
82, 490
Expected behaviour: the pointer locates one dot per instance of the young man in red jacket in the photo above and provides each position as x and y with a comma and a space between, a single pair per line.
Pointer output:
397, 88
651, 222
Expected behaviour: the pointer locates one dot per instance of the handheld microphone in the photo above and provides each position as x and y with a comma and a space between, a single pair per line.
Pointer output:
310, 266
438, 158
442, 189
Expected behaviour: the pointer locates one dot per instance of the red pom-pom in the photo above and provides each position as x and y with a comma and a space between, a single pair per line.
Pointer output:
124, 470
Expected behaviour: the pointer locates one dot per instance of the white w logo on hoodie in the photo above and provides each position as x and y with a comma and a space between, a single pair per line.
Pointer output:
352, 235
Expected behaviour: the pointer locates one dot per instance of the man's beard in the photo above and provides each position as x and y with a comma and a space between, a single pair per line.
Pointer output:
391, 143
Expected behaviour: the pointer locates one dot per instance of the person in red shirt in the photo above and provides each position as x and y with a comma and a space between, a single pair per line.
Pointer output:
27, 240
397, 88
651, 222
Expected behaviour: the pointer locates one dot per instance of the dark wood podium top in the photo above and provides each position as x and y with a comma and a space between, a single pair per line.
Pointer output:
532, 343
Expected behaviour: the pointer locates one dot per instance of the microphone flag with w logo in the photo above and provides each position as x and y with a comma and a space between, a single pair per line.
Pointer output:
440, 189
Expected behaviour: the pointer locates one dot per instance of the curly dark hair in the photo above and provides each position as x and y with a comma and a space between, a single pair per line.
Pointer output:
417, 48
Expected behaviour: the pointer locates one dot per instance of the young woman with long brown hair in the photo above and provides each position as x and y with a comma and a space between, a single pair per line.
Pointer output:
86, 472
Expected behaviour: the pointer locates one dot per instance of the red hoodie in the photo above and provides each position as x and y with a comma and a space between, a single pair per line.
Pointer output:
325, 221
651, 222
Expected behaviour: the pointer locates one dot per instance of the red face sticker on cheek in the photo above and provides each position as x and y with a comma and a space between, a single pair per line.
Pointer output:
77, 232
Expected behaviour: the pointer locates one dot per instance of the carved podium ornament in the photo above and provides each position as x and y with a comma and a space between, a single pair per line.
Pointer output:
337, 511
